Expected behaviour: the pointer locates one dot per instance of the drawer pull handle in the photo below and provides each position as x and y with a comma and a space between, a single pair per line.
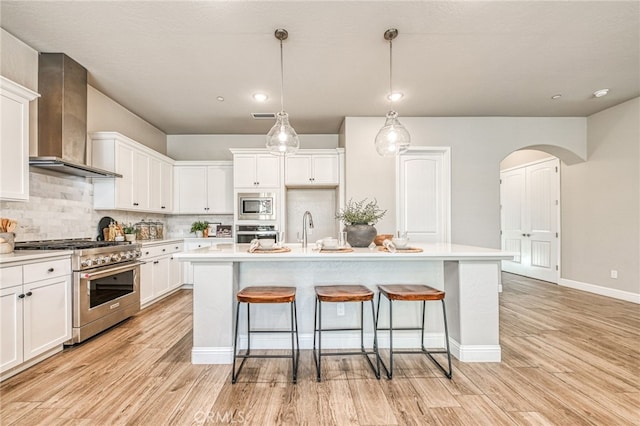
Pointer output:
50, 270
29, 293
156, 262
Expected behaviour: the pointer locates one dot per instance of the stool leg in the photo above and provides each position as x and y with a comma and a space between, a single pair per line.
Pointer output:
375, 340
295, 354
234, 375
424, 303
446, 336
248, 328
390, 372
362, 326
376, 327
317, 327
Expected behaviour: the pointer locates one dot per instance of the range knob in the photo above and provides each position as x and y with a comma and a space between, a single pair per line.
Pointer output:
87, 262
106, 259
116, 257
98, 260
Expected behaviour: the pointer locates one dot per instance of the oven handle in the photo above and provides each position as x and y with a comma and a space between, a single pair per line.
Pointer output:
110, 271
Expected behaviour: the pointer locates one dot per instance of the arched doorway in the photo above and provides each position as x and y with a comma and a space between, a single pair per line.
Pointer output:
530, 213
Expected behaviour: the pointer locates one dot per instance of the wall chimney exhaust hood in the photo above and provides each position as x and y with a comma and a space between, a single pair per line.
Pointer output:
62, 117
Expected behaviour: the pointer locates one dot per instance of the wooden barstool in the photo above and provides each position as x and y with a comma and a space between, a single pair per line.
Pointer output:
420, 293
344, 293
270, 294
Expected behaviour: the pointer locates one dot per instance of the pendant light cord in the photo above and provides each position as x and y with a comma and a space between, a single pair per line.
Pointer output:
390, 73
281, 77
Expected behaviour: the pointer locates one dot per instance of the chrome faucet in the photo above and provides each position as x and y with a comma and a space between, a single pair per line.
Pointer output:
307, 217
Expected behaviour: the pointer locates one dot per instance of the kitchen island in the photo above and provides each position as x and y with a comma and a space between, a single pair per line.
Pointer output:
469, 275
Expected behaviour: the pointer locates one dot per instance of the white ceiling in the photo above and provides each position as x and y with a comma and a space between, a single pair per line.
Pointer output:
167, 61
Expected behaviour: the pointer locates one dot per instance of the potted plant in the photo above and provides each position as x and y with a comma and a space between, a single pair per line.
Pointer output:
359, 218
129, 232
198, 227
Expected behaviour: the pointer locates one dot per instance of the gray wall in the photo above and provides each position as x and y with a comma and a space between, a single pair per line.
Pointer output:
600, 203
216, 147
478, 145
524, 156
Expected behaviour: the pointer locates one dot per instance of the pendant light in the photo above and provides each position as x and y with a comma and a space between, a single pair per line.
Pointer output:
393, 138
282, 139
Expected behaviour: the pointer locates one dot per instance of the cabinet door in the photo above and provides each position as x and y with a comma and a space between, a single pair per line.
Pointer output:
124, 185
175, 273
190, 184
244, 171
14, 147
47, 315
160, 276
220, 189
325, 170
11, 329
166, 187
298, 170
155, 185
141, 181
146, 282
267, 171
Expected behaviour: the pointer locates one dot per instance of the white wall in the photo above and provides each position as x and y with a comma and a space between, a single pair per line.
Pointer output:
104, 114
524, 156
216, 147
478, 145
601, 203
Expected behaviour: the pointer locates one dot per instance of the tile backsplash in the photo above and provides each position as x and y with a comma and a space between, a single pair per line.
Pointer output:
62, 207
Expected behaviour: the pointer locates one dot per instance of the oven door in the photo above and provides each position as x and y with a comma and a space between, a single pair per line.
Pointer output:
100, 292
247, 237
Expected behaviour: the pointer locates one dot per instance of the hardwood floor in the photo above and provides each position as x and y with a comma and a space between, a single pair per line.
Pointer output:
568, 358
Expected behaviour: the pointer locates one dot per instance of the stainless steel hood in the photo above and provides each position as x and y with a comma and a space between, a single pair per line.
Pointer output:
62, 117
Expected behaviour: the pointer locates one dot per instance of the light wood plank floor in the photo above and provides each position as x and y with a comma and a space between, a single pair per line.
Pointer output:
569, 358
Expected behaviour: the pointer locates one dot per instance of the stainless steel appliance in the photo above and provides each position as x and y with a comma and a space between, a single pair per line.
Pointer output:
106, 282
256, 206
246, 233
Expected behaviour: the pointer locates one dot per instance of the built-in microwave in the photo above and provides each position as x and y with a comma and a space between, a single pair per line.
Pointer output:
256, 206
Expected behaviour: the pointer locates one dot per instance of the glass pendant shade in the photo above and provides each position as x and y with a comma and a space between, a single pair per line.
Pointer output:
393, 138
282, 139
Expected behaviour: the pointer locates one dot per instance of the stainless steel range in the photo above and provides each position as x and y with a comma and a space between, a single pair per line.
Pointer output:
106, 282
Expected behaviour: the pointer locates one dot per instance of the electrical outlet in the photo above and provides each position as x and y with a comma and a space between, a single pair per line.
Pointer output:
614, 274
340, 309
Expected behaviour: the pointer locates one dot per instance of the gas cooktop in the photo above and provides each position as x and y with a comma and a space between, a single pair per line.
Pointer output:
71, 244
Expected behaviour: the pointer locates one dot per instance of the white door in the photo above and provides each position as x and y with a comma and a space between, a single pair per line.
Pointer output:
11, 327
529, 215
423, 194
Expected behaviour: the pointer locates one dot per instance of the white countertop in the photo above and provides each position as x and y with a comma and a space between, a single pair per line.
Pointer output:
430, 251
159, 242
19, 256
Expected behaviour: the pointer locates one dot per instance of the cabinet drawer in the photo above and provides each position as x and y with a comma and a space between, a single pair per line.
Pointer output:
161, 250
10, 277
49, 269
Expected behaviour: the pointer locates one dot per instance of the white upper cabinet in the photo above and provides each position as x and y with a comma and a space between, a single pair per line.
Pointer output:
203, 187
256, 169
146, 182
14, 140
313, 169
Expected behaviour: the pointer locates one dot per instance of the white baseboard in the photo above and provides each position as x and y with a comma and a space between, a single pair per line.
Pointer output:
602, 291
475, 353
206, 355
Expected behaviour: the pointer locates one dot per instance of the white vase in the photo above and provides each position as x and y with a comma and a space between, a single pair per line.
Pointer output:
199, 234
130, 237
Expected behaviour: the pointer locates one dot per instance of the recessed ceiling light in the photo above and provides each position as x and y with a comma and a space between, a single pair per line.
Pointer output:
600, 93
260, 97
558, 96
220, 98
395, 96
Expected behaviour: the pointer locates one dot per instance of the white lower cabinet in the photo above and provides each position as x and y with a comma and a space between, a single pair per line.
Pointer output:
35, 310
161, 273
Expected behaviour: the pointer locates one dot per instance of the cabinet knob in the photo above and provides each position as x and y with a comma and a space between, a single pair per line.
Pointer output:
50, 270
21, 296
162, 207
155, 262
29, 293
164, 249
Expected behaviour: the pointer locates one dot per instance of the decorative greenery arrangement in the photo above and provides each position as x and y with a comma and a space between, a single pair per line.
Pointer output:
361, 213
129, 229
199, 226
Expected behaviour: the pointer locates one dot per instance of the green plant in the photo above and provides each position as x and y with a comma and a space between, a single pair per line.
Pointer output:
199, 226
129, 229
361, 212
